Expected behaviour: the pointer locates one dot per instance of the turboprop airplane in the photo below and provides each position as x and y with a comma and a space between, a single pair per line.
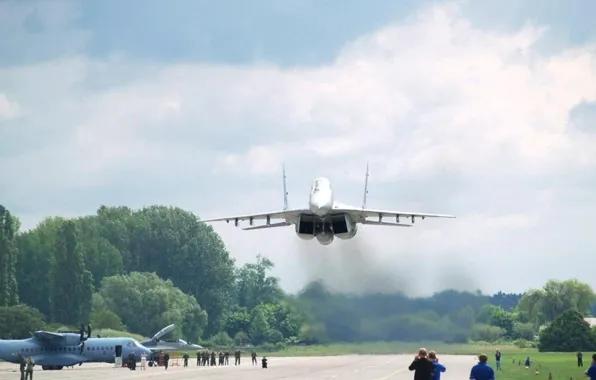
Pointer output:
54, 351
325, 218
157, 344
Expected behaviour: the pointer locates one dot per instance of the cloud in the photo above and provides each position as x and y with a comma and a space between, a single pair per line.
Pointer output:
8, 109
453, 118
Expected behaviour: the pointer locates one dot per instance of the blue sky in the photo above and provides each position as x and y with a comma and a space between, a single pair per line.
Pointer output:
480, 109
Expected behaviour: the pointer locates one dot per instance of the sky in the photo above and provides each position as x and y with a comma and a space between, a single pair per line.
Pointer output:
485, 110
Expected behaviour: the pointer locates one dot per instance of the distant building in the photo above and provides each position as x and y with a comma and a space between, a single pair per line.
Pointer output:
591, 321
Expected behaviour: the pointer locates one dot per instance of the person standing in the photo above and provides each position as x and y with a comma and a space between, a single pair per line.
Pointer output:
591, 372
482, 370
423, 368
253, 355
143, 360
22, 365
29, 368
166, 360
439, 368
498, 359
580, 359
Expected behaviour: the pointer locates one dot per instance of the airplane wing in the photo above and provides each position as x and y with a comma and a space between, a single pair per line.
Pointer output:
49, 337
288, 215
361, 215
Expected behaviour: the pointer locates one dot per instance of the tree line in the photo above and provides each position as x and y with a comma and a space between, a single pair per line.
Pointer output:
139, 270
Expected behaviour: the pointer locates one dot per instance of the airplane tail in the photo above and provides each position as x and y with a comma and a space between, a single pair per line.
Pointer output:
365, 188
283, 168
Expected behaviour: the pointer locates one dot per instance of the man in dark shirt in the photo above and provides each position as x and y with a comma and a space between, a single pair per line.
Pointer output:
422, 366
482, 371
580, 359
498, 359
591, 372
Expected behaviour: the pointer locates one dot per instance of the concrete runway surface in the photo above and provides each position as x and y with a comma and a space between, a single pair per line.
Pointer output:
353, 367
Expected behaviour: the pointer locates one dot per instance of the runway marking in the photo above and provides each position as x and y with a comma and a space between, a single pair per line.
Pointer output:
391, 374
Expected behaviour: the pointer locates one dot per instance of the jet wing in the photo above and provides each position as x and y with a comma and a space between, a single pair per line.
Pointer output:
288, 215
360, 215
46, 337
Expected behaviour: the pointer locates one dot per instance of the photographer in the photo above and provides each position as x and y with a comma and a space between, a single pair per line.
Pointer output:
423, 368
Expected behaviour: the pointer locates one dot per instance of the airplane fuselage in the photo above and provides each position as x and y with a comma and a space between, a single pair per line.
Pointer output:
320, 201
321, 223
56, 356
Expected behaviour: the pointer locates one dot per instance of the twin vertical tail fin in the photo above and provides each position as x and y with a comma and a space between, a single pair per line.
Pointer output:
283, 168
365, 188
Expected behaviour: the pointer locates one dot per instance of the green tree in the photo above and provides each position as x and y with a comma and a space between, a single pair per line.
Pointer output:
313, 334
487, 333
485, 314
147, 303
546, 304
106, 319
523, 331
237, 320
36, 257
504, 320
9, 294
172, 243
464, 318
102, 258
19, 321
71, 290
259, 327
567, 333
254, 286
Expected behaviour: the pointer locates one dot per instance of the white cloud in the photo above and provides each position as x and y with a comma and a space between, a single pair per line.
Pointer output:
8, 109
453, 118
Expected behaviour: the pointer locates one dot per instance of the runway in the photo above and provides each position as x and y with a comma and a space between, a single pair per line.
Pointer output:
353, 367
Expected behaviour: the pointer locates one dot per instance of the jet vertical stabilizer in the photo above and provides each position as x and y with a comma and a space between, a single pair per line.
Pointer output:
283, 168
365, 188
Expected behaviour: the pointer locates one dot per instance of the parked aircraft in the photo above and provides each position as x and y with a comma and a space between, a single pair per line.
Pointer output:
157, 344
53, 351
325, 218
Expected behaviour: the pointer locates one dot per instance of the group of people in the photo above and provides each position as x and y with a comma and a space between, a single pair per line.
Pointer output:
427, 367
205, 359
212, 359
26, 367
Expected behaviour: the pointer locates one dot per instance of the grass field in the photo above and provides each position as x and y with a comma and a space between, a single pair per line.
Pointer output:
562, 366
382, 348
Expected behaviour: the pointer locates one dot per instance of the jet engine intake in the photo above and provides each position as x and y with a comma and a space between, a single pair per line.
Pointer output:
305, 228
343, 226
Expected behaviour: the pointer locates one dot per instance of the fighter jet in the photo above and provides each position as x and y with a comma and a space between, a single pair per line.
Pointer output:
324, 218
157, 344
54, 351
